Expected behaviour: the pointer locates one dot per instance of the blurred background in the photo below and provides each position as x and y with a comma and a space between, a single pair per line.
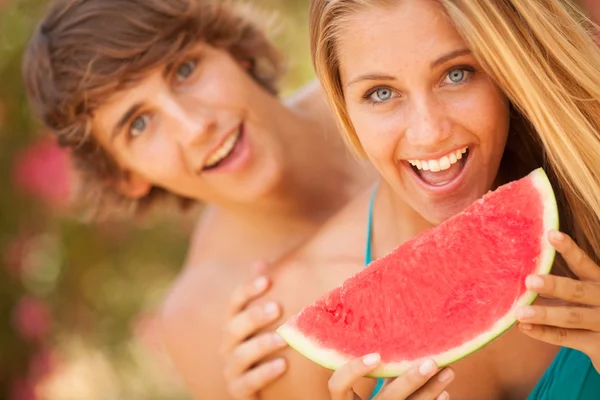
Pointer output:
77, 300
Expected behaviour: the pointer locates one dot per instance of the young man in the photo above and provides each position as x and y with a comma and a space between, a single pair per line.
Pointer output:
177, 99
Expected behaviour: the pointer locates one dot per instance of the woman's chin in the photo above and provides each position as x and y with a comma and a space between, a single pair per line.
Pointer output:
436, 214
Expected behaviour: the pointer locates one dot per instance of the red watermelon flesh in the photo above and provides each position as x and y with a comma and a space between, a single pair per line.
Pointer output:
441, 295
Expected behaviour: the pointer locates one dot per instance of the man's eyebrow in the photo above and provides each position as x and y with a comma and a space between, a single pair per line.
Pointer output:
125, 118
169, 68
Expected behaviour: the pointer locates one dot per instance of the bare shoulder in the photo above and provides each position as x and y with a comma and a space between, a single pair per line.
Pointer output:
193, 314
205, 243
324, 262
196, 295
208, 275
343, 237
191, 322
331, 255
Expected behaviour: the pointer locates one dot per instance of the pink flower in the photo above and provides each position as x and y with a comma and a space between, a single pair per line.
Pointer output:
42, 170
31, 318
15, 251
22, 389
41, 365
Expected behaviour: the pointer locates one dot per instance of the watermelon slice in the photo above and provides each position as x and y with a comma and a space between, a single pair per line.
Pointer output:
443, 294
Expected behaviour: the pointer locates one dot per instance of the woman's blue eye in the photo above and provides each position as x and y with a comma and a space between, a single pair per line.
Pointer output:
139, 125
457, 75
185, 70
381, 94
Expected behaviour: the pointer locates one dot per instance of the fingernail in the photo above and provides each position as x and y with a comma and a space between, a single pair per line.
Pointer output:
277, 365
443, 396
526, 327
278, 340
525, 312
371, 359
271, 309
534, 282
445, 375
427, 368
557, 236
260, 283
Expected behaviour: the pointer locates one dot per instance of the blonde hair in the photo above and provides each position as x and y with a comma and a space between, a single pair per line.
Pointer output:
542, 54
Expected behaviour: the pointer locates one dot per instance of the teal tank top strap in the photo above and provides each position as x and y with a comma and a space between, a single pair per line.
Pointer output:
571, 376
368, 254
368, 259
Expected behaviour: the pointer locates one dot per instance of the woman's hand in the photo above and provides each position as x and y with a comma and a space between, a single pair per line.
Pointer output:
244, 350
576, 324
420, 382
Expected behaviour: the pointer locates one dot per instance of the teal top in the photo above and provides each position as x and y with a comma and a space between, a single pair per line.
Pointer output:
368, 258
571, 376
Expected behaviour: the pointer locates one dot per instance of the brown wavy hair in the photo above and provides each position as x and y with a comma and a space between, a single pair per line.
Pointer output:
83, 51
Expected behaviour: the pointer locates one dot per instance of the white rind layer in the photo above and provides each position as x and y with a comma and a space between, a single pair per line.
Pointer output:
333, 359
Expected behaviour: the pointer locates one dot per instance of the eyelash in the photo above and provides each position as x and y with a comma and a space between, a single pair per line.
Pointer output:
470, 71
368, 95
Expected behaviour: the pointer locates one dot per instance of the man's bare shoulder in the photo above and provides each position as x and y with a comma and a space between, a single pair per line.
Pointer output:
330, 256
194, 311
201, 290
206, 244
335, 253
342, 239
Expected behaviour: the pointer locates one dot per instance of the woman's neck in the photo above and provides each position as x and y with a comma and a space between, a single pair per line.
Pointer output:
394, 221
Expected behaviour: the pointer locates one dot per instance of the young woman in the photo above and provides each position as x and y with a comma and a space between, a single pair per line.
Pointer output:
449, 99
178, 99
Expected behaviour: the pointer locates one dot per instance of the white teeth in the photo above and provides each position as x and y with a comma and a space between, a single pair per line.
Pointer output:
224, 150
444, 163
440, 164
434, 165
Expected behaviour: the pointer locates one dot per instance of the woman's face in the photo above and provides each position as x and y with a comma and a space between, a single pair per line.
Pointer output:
201, 128
428, 117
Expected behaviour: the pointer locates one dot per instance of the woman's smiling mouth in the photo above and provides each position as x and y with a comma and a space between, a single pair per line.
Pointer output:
442, 171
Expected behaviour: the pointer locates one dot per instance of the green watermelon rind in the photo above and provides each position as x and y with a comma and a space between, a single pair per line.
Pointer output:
333, 359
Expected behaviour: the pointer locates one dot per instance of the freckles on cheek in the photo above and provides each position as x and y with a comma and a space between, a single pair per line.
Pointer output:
481, 115
382, 140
